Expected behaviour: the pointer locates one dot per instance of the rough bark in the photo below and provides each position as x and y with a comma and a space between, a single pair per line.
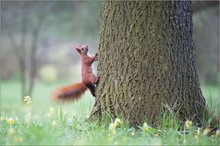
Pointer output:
146, 61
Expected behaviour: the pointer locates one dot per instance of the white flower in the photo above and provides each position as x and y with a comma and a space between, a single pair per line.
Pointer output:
145, 127
27, 100
188, 124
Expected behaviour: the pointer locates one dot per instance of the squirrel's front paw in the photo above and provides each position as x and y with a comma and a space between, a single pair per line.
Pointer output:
96, 56
97, 80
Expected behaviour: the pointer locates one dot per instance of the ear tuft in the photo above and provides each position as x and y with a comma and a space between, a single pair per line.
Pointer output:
78, 50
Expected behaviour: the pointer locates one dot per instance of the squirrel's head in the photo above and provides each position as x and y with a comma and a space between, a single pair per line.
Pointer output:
82, 49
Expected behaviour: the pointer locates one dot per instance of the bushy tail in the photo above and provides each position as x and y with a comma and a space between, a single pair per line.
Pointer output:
69, 93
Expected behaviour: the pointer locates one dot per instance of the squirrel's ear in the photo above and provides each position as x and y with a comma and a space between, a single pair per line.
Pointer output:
78, 50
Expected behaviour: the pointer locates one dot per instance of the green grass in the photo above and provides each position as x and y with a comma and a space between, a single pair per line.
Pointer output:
212, 96
65, 124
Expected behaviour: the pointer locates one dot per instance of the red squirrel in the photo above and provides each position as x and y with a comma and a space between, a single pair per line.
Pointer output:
89, 79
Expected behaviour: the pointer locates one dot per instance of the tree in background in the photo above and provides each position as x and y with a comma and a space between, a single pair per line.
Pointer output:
206, 28
23, 33
147, 63
37, 32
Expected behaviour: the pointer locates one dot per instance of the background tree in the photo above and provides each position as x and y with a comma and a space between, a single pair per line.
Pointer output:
37, 35
206, 24
22, 28
147, 62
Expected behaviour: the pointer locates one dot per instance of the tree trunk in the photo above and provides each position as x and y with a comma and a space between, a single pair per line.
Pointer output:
146, 61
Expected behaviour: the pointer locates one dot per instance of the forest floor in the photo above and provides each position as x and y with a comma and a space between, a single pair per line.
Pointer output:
42, 122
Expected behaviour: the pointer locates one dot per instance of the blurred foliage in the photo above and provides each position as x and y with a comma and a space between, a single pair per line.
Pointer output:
206, 36
63, 24
67, 23
48, 73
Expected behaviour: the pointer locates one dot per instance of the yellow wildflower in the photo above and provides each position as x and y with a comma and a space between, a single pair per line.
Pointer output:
145, 127
117, 122
112, 128
10, 121
206, 131
156, 134
188, 124
198, 133
115, 125
27, 100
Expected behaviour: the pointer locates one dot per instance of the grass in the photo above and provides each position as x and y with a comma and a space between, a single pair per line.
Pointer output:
65, 124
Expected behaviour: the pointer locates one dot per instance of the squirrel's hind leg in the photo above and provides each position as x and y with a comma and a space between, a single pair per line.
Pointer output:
91, 88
